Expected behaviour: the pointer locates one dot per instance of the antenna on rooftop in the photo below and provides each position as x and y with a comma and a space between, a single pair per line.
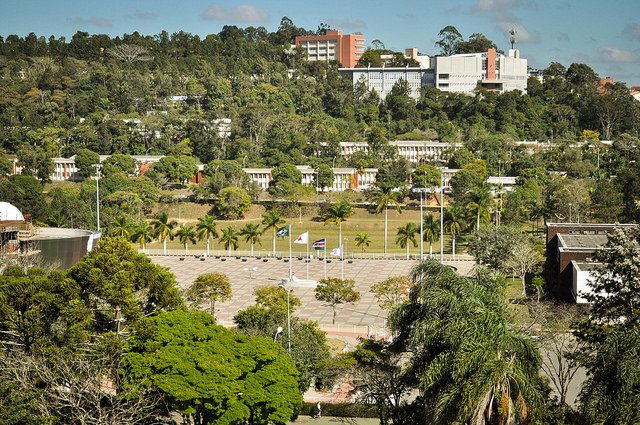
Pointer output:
512, 36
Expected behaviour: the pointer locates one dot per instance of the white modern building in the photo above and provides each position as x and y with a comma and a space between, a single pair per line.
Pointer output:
414, 151
461, 73
343, 178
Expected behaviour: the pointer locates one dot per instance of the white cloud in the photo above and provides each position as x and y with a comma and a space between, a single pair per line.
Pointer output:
356, 24
93, 20
632, 31
613, 54
240, 13
501, 5
523, 35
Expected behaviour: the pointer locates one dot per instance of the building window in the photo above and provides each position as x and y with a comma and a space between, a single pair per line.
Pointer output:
443, 85
443, 76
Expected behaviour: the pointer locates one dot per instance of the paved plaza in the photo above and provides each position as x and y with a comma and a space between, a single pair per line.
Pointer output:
245, 274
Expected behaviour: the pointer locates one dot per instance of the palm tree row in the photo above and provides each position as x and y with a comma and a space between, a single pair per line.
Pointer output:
162, 228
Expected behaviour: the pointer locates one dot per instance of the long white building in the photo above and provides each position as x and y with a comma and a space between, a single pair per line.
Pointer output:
461, 73
414, 151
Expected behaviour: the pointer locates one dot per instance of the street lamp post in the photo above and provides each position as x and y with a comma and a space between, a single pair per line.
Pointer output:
441, 219
288, 316
98, 196
278, 332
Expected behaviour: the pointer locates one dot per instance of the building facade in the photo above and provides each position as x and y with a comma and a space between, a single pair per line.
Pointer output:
461, 73
333, 46
415, 151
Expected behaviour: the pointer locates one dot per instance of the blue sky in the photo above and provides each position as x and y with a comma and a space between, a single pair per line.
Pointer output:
604, 35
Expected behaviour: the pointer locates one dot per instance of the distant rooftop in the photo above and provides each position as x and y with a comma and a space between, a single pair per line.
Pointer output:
581, 241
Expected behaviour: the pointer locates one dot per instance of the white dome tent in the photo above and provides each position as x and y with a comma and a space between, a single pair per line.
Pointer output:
9, 212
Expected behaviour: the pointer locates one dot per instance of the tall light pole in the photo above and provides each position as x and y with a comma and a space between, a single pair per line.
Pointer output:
421, 228
441, 219
98, 195
288, 315
278, 332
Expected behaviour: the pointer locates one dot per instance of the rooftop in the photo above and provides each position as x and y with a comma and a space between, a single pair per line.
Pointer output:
572, 241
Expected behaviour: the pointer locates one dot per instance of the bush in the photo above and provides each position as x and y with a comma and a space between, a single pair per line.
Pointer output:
342, 410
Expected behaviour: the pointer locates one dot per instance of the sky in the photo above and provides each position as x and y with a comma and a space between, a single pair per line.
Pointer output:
604, 35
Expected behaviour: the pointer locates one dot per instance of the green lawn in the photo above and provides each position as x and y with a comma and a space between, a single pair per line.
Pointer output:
362, 221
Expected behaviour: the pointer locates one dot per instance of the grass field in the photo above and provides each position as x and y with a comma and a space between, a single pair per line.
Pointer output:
362, 221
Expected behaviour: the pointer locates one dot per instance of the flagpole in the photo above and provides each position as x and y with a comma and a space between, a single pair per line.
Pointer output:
341, 261
290, 235
325, 257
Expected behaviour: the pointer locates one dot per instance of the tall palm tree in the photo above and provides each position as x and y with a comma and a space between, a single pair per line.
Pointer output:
338, 213
142, 234
431, 230
251, 233
384, 197
471, 366
363, 240
121, 227
207, 229
163, 228
481, 204
454, 221
229, 239
272, 220
186, 234
406, 234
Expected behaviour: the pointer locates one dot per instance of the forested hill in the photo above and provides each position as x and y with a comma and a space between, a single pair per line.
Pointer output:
159, 94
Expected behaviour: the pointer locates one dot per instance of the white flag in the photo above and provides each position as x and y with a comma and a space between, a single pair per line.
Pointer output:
303, 238
337, 252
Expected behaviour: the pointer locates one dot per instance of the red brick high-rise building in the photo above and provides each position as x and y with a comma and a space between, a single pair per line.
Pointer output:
344, 48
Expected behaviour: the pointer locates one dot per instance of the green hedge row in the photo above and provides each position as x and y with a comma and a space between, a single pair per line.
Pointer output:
342, 410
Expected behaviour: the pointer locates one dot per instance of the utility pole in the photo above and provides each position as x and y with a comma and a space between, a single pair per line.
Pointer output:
98, 196
441, 219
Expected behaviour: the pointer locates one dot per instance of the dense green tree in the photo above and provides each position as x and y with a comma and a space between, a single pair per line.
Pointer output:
391, 292
176, 169
493, 246
121, 286
25, 193
450, 38
86, 162
233, 203
119, 163
40, 308
335, 291
209, 374
426, 176
210, 287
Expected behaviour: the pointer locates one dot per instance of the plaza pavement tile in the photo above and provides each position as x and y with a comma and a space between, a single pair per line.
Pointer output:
249, 273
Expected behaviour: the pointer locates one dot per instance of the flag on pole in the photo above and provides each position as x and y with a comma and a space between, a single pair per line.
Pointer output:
320, 244
283, 232
303, 238
337, 252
